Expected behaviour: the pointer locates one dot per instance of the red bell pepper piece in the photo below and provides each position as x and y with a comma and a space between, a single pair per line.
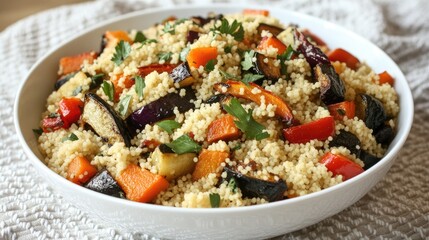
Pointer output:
341, 165
341, 109
342, 55
320, 129
70, 110
50, 124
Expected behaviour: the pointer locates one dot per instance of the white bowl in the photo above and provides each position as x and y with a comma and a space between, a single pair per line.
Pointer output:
259, 221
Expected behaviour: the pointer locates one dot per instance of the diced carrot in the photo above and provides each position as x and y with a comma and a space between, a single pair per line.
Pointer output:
262, 12
341, 165
112, 38
80, 170
313, 37
160, 68
342, 55
342, 109
208, 162
72, 64
126, 81
320, 129
273, 42
223, 128
201, 56
141, 185
386, 78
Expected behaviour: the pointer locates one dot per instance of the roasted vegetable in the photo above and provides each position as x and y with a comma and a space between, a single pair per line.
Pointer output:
312, 54
222, 128
80, 170
342, 55
370, 110
262, 12
50, 124
172, 165
385, 77
320, 129
384, 135
160, 109
342, 109
160, 68
192, 36
104, 183
201, 56
368, 159
111, 38
204, 20
332, 88
253, 187
341, 165
72, 64
70, 110
314, 38
61, 81
347, 140
273, 42
270, 28
182, 75
234, 88
220, 98
104, 120
141, 185
208, 162
268, 69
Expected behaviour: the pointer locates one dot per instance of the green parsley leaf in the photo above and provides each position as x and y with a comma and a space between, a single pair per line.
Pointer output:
210, 65
247, 62
96, 80
168, 125
123, 105
245, 122
233, 185
235, 29
122, 50
287, 55
228, 49
140, 37
171, 27
249, 77
77, 90
236, 147
184, 53
214, 200
228, 76
108, 89
37, 132
165, 56
71, 137
140, 85
184, 144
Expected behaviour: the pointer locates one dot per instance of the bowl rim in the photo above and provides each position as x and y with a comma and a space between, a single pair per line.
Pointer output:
38, 163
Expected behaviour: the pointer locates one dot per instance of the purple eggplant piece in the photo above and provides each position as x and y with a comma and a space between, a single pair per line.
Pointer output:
370, 110
332, 89
347, 140
312, 54
192, 36
160, 109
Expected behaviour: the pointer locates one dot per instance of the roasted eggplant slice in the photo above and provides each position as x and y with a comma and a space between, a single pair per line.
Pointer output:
182, 75
268, 69
384, 135
104, 183
368, 159
172, 165
201, 21
370, 110
252, 187
160, 109
60, 82
192, 36
312, 54
347, 140
104, 120
332, 88
270, 28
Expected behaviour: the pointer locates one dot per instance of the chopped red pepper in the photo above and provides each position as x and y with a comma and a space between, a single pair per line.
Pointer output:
70, 110
342, 109
50, 124
320, 129
341, 165
273, 42
386, 78
342, 55
313, 37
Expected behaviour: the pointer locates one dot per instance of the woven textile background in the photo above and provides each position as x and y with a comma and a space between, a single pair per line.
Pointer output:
396, 208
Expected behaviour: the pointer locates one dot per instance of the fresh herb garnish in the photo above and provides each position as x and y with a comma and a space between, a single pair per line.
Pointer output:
235, 29
140, 37
96, 80
210, 65
245, 122
341, 111
122, 50
184, 53
184, 144
236, 147
247, 62
77, 90
165, 56
287, 55
171, 27
249, 77
233, 185
108, 89
228, 49
71, 137
168, 125
228, 76
139, 86
123, 105
37, 132
214, 200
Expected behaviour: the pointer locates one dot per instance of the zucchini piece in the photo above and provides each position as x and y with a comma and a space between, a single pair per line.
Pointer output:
268, 69
182, 75
172, 165
104, 120
370, 110
104, 183
332, 88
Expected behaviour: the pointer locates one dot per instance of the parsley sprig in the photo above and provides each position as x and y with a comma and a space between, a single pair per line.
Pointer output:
214, 200
171, 27
234, 29
123, 105
168, 125
245, 122
184, 144
247, 62
287, 55
72, 137
139, 86
108, 89
165, 56
122, 50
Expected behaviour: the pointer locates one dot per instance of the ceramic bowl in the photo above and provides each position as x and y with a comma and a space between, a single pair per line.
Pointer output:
252, 222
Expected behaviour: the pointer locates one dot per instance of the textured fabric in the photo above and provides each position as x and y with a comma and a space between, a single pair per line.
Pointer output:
397, 207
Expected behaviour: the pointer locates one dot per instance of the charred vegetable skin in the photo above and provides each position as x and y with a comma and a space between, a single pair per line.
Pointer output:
160, 109
370, 110
104, 183
312, 54
268, 69
270, 28
182, 75
252, 187
332, 88
104, 120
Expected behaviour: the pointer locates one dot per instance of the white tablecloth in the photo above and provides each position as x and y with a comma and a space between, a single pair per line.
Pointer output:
397, 207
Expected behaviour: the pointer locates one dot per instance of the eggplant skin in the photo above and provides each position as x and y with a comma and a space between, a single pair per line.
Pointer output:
269, 70
252, 187
270, 28
104, 120
312, 54
60, 82
384, 135
368, 159
347, 140
104, 183
370, 110
160, 109
182, 75
332, 88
